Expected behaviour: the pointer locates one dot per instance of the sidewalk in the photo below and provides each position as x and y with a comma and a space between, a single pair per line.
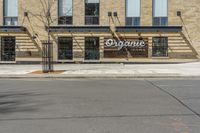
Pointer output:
105, 71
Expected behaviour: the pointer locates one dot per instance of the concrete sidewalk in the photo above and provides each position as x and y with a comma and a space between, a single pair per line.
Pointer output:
104, 70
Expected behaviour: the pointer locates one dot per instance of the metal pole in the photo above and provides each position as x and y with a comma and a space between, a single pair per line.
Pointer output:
49, 40
48, 20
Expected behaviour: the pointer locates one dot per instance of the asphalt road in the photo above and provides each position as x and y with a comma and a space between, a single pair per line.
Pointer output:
99, 106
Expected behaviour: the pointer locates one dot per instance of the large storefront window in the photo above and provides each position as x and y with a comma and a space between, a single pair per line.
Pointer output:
7, 48
160, 12
92, 12
92, 48
65, 12
65, 48
10, 12
160, 47
133, 12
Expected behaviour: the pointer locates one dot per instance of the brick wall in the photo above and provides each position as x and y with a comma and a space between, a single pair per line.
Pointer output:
190, 13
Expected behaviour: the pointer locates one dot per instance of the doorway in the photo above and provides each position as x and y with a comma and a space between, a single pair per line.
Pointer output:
92, 48
8, 48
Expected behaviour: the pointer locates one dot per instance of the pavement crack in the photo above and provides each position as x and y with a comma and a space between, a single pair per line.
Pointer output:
174, 97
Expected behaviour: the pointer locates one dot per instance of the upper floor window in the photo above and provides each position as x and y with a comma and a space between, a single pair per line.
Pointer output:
160, 12
10, 12
133, 12
92, 12
65, 12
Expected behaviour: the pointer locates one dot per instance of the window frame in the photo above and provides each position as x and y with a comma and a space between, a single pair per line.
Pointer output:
1, 50
91, 15
132, 17
133, 21
85, 48
160, 47
153, 17
11, 17
72, 52
72, 17
160, 21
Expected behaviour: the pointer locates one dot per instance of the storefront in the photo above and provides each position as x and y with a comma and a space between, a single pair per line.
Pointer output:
98, 44
101, 31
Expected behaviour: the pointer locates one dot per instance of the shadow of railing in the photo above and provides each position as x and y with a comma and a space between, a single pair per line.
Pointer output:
189, 43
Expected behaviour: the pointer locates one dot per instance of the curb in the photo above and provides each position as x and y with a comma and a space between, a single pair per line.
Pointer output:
96, 76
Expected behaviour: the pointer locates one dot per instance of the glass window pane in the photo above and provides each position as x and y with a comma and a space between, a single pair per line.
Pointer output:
65, 7
7, 21
7, 49
11, 8
92, 48
91, 12
160, 21
10, 21
15, 22
156, 21
92, 9
65, 20
160, 8
65, 48
160, 47
133, 21
92, 1
128, 21
136, 22
132, 8
164, 21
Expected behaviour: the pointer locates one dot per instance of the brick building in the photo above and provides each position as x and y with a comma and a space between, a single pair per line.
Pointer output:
100, 30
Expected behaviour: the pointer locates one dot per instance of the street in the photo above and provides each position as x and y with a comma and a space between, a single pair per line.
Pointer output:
99, 105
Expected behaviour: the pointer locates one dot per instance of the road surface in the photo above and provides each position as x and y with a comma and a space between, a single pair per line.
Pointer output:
99, 106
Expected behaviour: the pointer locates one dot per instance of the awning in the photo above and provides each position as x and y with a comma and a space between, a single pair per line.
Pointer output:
12, 29
151, 29
79, 29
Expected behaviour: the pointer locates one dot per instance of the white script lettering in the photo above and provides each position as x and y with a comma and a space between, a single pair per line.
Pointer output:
121, 44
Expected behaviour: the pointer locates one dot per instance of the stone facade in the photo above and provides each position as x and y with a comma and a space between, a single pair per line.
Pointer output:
184, 45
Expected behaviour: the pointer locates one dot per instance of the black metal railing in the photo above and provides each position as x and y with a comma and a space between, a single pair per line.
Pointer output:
47, 57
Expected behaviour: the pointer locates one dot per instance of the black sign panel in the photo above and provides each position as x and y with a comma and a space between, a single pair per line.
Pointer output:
126, 48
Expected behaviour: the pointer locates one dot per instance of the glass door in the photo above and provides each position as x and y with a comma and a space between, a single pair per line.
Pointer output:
8, 49
92, 48
65, 48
